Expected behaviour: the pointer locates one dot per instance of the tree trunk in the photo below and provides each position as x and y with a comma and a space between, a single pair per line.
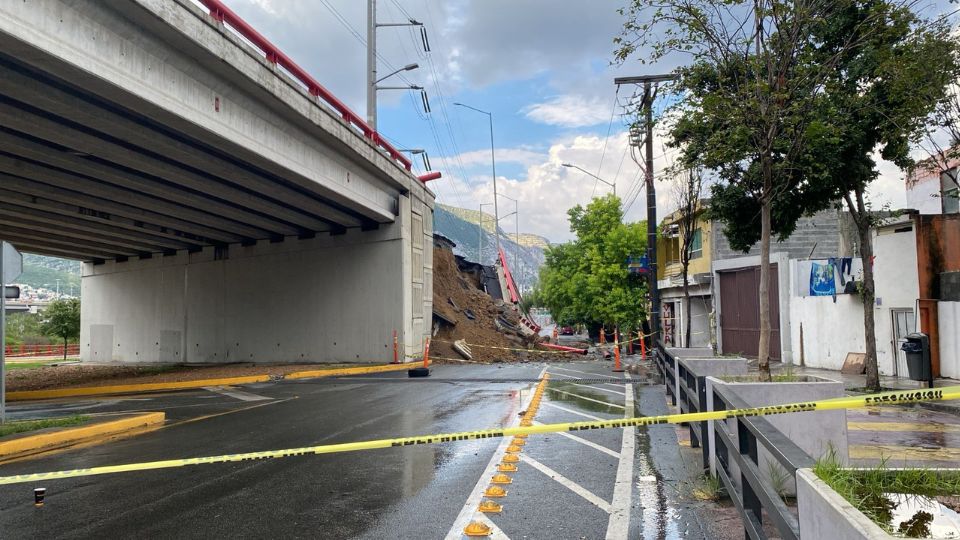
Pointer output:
868, 293
763, 348
686, 303
64, 348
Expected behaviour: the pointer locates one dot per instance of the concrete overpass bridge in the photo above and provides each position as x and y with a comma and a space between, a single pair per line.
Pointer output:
227, 206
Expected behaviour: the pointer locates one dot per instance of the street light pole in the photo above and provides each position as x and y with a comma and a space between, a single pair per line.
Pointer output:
480, 221
516, 221
493, 161
611, 184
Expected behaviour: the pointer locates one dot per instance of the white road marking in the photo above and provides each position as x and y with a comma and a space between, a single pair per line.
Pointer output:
595, 375
469, 511
618, 526
234, 393
581, 440
578, 396
571, 411
567, 483
495, 532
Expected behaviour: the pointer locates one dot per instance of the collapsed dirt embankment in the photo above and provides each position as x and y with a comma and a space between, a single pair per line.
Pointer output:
466, 312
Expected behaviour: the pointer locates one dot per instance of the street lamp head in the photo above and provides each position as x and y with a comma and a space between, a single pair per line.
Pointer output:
410, 67
567, 164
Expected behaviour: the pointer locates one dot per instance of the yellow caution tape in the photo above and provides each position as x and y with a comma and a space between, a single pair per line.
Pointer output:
885, 398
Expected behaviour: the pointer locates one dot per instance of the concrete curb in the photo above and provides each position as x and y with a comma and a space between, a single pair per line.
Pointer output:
30, 444
316, 373
26, 395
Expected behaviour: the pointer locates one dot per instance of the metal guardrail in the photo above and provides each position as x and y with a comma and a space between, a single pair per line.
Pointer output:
665, 363
755, 496
274, 55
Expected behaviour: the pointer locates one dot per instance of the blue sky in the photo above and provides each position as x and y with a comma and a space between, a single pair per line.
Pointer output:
542, 67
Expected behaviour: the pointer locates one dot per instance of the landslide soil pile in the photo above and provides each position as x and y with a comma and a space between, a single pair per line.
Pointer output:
454, 293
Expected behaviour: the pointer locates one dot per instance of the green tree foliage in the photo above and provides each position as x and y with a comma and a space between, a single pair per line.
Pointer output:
878, 99
24, 328
62, 319
586, 281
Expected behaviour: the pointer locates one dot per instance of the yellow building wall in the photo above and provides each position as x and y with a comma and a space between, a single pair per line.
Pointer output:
668, 253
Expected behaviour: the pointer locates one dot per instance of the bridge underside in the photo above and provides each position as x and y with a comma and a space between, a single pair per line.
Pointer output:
224, 214
82, 177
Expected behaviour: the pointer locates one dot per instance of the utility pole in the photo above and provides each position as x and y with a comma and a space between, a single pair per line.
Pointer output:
372, 64
493, 162
648, 96
372, 80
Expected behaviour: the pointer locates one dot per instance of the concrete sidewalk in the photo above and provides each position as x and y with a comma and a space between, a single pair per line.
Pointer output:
851, 382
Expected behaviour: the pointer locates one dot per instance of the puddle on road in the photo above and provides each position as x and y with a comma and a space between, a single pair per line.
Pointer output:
561, 391
924, 516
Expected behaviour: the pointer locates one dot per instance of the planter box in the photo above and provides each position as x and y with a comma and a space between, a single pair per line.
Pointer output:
813, 432
824, 513
711, 367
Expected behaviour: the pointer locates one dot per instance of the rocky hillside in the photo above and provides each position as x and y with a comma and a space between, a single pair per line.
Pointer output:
447, 221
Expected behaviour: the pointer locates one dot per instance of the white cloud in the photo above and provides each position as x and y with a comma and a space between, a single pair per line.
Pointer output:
569, 111
548, 189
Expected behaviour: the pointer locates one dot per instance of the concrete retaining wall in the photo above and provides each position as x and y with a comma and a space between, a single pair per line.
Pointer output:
813, 432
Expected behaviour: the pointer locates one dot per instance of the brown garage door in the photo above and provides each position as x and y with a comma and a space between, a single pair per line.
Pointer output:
740, 312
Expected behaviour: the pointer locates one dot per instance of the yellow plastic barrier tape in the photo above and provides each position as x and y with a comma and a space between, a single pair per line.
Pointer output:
886, 398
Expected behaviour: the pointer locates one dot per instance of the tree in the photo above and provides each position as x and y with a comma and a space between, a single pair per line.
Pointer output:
941, 140
748, 95
62, 319
586, 280
687, 195
879, 98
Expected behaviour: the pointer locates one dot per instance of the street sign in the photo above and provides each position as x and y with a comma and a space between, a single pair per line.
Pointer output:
11, 292
12, 263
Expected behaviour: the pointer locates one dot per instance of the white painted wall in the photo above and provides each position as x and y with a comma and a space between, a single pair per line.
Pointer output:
830, 330
326, 299
949, 318
925, 196
897, 285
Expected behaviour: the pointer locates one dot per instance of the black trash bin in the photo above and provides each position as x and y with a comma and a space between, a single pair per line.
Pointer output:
917, 349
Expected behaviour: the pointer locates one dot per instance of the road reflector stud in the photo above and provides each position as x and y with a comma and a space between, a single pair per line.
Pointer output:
514, 449
495, 491
475, 528
507, 467
518, 442
510, 458
490, 507
501, 479
524, 436
38, 495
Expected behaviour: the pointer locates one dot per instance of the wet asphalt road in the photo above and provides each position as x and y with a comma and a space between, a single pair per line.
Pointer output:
564, 488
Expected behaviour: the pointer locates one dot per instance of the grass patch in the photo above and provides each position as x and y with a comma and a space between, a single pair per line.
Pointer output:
709, 488
12, 428
27, 365
867, 489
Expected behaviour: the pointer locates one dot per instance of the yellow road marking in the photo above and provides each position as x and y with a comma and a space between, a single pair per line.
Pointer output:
24, 395
895, 453
39, 441
904, 426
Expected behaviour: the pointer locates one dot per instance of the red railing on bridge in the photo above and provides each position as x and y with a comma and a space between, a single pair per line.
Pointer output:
26, 351
274, 55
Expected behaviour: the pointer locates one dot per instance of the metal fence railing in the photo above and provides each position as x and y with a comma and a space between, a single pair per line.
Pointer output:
737, 441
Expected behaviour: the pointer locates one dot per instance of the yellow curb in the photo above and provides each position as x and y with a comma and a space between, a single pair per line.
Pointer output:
33, 443
351, 371
24, 395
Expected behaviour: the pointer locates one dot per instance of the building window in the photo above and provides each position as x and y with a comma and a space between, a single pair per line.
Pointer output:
696, 245
949, 191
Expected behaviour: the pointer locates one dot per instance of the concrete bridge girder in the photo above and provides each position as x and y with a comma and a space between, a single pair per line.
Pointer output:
215, 200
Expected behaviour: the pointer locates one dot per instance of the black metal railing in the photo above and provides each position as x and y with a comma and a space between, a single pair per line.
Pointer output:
755, 497
693, 399
665, 363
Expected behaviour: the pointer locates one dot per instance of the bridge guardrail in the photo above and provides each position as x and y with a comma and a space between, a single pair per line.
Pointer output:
274, 55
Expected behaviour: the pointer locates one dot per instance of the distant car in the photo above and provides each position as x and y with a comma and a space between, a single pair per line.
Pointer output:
566, 331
